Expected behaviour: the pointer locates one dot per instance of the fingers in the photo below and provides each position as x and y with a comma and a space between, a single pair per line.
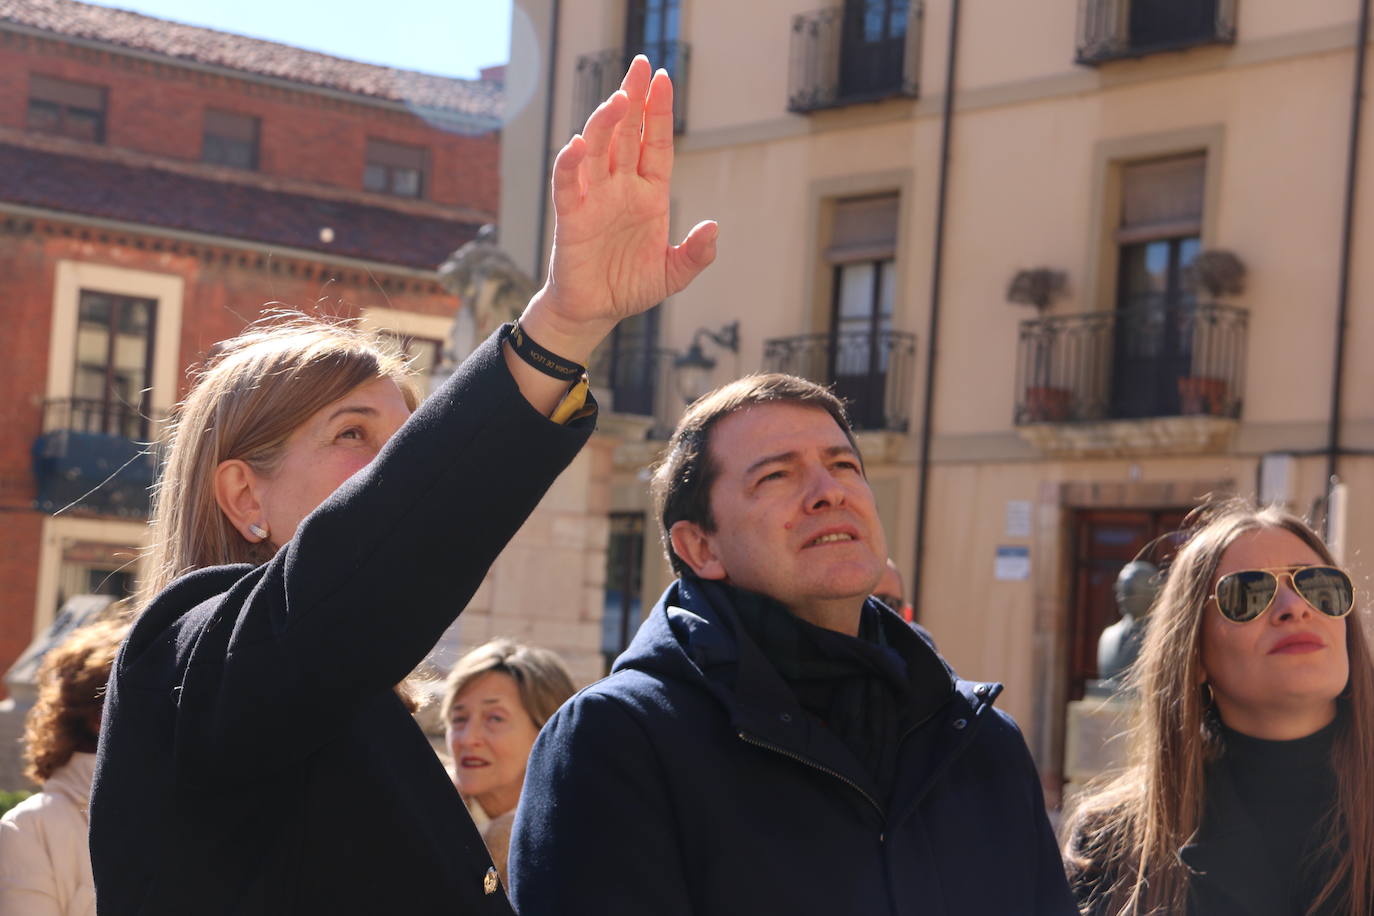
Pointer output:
656, 151
599, 132
694, 255
567, 177
625, 145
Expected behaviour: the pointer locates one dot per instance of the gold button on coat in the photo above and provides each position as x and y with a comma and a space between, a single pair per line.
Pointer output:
491, 882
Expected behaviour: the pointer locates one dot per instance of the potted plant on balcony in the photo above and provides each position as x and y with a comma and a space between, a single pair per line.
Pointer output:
1039, 287
1212, 274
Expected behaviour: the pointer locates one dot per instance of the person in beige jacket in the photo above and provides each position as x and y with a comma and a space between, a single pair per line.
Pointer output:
45, 864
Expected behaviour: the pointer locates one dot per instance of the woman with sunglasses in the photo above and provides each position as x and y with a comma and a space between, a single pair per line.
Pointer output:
1251, 783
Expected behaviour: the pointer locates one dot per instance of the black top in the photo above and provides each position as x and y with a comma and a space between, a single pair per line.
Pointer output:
1268, 815
254, 758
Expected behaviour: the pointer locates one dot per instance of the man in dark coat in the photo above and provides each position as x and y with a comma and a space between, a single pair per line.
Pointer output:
774, 741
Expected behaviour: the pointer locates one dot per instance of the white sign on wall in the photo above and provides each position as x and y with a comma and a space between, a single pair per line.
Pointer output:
1018, 518
1012, 563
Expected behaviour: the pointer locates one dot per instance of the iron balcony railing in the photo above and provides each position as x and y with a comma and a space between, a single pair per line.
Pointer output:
638, 381
599, 74
95, 456
1115, 29
1154, 359
871, 372
861, 51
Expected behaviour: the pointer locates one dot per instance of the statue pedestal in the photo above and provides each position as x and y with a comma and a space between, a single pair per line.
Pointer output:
1094, 740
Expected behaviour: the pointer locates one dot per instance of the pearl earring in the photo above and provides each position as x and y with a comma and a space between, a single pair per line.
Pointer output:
258, 532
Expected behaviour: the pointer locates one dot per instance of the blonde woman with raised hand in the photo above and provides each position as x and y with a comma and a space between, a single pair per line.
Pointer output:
314, 538
1251, 784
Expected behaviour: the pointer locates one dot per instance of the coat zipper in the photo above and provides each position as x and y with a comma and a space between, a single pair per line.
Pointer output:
757, 742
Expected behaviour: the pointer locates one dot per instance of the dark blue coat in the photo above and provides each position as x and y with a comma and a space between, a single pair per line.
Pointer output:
690, 781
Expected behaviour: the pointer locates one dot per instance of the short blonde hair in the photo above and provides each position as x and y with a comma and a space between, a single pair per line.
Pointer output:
540, 675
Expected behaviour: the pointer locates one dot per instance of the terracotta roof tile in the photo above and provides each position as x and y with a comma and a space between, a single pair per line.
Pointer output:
157, 198
477, 99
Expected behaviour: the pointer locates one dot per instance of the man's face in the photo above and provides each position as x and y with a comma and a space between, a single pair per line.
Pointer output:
795, 518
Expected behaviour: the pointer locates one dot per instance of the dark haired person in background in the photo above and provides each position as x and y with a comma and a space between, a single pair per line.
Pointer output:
775, 741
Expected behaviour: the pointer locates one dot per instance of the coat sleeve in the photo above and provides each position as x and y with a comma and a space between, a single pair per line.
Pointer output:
1052, 894
374, 575
28, 884
596, 833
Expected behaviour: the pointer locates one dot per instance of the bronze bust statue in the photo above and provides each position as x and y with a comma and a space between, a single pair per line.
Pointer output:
1136, 587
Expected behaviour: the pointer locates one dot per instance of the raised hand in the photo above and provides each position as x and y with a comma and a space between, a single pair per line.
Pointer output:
611, 256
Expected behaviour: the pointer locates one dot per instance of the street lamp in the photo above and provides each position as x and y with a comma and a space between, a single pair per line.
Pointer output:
693, 368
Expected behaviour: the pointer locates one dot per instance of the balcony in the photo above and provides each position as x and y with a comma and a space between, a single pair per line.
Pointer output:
1156, 359
599, 74
870, 371
862, 51
94, 458
638, 382
1117, 29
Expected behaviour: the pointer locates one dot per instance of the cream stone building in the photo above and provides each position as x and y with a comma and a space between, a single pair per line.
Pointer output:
1160, 184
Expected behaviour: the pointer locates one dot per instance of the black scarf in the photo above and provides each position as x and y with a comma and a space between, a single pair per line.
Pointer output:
859, 688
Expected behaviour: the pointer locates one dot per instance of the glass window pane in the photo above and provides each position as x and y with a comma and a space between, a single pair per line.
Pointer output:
45, 117
405, 182
888, 293
856, 294
375, 178
83, 125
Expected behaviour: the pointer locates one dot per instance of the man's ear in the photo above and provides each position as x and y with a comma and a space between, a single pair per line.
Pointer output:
237, 492
694, 547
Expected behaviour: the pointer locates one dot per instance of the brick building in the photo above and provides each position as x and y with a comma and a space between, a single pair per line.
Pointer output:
159, 185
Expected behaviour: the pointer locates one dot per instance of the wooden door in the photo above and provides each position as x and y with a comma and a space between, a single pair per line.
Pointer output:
1104, 541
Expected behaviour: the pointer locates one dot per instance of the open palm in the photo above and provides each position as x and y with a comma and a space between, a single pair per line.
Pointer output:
611, 256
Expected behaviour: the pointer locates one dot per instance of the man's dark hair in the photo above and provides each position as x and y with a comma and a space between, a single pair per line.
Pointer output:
682, 481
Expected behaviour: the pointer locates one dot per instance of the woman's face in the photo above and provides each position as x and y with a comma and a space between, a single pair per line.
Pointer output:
490, 735
336, 442
1276, 676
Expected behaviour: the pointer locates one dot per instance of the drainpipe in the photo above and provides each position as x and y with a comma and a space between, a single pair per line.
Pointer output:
544, 177
933, 331
1333, 444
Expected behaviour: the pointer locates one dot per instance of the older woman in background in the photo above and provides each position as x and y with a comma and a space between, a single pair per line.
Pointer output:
45, 866
1251, 789
498, 697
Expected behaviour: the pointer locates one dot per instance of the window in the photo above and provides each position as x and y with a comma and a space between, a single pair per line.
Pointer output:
1159, 235
393, 168
230, 139
873, 47
632, 364
93, 568
114, 350
622, 610
425, 355
862, 252
67, 109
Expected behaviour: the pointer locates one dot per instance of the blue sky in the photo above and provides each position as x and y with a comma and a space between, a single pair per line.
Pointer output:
447, 37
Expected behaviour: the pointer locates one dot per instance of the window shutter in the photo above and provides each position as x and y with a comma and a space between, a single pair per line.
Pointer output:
62, 92
1162, 198
864, 229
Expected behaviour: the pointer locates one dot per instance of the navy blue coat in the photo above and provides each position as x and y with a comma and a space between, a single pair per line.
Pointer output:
690, 781
254, 757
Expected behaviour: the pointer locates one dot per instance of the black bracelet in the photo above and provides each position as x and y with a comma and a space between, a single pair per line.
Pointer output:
548, 363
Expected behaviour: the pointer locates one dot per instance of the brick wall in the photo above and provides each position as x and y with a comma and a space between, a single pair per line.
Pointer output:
159, 109
223, 291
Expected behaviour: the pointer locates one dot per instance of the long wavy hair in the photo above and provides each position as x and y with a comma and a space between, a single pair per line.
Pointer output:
65, 719
1123, 836
252, 392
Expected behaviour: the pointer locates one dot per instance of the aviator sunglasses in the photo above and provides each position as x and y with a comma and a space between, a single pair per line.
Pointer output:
1246, 594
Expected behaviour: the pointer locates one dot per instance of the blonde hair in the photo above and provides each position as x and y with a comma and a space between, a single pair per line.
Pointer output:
1126, 834
71, 692
540, 675
252, 392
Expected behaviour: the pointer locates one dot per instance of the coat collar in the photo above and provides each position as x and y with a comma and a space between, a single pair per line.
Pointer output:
692, 633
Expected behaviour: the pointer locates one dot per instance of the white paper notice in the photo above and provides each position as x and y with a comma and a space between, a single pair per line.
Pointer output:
1018, 518
1012, 564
